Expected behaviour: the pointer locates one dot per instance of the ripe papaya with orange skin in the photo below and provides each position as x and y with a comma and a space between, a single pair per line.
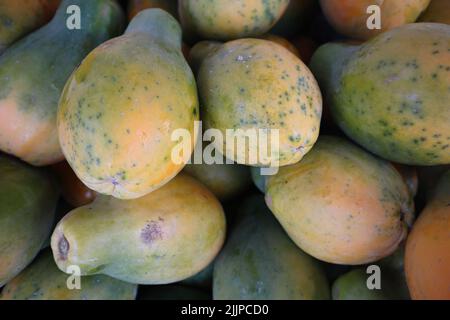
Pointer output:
350, 17
427, 255
19, 17
341, 204
33, 73
166, 236
119, 109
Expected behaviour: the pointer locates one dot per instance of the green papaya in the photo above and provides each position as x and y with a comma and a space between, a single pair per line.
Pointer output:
164, 237
34, 70
28, 199
395, 105
171, 292
126, 101
341, 204
42, 280
260, 262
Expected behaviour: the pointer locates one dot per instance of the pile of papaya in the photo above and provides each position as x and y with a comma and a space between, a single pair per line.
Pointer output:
107, 106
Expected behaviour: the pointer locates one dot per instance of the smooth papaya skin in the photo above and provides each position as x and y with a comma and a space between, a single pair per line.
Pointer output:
42, 280
200, 51
19, 17
395, 105
341, 204
349, 17
163, 237
260, 262
229, 19
33, 73
118, 110
427, 255
136, 6
257, 84
72, 189
282, 42
28, 199
438, 11
171, 292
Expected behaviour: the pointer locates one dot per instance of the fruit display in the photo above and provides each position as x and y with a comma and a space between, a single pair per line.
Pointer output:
224, 150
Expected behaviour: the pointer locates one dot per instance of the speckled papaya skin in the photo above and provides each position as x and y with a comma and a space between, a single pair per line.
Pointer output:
229, 19
438, 11
33, 73
42, 280
27, 207
349, 17
163, 237
427, 255
119, 109
260, 262
19, 17
340, 204
257, 84
136, 6
392, 97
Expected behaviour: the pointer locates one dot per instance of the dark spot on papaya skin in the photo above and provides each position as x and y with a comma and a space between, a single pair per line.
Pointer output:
151, 232
63, 248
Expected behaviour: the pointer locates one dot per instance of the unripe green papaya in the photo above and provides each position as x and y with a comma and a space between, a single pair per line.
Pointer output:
34, 70
391, 94
28, 199
42, 280
120, 108
255, 86
163, 237
260, 262
341, 204
171, 292
229, 19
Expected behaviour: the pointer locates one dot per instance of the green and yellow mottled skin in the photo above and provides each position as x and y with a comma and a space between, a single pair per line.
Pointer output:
260, 262
340, 204
172, 292
42, 280
27, 208
119, 109
33, 73
19, 17
229, 19
257, 84
438, 11
395, 105
163, 237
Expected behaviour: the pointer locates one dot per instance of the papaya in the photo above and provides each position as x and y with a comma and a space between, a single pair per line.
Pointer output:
28, 199
410, 177
202, 279
351, 17
228, 20
200, 51
118, 110
164, 237
225, 181
34, 72
72, 189
19, 17
255, 84
136, 6
297, 16
282, 42
260, 262
427, 255
42, 280
395, 106
171, 292
353, 286
341, 204
438, 11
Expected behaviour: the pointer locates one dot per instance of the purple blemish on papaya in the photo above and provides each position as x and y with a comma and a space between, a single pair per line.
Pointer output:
151, 232
63, 248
